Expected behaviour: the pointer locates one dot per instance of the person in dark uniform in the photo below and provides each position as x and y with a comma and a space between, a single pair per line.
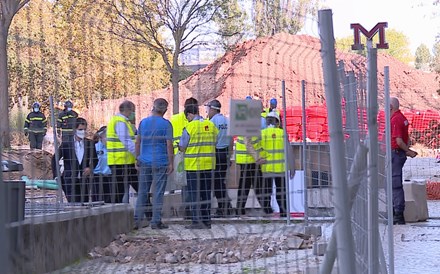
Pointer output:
66, 122
223, 150
35, 126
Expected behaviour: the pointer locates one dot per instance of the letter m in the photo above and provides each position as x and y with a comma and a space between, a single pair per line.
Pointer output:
380, 27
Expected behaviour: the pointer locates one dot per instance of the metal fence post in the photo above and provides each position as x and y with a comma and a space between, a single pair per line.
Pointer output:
373, 195
304, 150
388, 169
344, 236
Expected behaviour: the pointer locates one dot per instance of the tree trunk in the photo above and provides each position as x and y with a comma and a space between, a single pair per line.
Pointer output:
5, 139
175, 83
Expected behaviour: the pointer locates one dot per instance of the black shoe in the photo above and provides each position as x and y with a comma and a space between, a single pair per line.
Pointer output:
159, 226
241, 212
198, 226
399, 219
268, 211
220, 213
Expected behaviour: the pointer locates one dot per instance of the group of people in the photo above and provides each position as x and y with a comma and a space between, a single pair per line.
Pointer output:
103, 169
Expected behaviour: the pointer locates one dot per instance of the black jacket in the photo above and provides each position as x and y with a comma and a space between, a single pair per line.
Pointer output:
36, 122
71, 165
66, 120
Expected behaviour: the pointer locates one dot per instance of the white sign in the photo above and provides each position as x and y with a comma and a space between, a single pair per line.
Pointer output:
296, 188
245, 118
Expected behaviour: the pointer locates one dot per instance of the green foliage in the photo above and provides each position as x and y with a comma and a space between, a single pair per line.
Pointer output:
423, 57
397, 41
435, 64
185, 73
231, 21
58, 48
274, 16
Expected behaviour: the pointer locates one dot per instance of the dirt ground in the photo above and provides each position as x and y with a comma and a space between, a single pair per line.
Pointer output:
36, 163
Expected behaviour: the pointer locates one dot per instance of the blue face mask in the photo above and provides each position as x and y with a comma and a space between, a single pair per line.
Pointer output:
36, 109
132, 116
69, 109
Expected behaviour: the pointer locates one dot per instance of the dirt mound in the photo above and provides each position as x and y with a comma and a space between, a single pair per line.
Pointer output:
256, 68
36, 163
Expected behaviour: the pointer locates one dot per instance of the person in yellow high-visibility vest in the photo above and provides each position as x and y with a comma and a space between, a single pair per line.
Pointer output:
273, 103
179, 122
198, 142
247, 157
273, 165
121, 151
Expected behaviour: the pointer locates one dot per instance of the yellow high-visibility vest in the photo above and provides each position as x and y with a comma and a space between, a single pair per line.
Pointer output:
272, 142
242, 156
200, 153
267, 110
179, 122
117, 153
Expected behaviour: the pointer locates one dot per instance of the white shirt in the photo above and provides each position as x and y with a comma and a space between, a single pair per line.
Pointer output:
79, 151
123, 133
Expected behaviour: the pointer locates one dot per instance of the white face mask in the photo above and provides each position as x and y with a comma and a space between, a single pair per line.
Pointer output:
81, 133
69, 109
36, 109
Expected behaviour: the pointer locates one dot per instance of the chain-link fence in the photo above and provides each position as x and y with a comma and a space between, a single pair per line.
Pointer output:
74, 190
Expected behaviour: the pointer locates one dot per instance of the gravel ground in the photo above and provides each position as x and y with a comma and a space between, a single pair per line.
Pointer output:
258, 246
416, 248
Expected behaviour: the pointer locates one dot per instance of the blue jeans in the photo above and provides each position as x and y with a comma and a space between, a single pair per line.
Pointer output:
398, 159
199, 192
147, 175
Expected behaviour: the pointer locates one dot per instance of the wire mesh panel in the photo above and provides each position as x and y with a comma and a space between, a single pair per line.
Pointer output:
88, 174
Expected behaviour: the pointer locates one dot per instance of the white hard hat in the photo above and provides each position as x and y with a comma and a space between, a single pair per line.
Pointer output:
274, 115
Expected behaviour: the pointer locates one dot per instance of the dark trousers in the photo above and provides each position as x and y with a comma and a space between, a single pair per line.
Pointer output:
36, 140
199, 191
397, 161
101, 188
280, 183
76, 189
251, 176
122, 175
221, 166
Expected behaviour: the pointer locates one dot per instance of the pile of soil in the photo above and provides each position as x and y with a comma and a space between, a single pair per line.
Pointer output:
36, 163
256, 68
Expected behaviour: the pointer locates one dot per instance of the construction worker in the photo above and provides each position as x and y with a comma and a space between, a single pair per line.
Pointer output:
250, 174
250, 171
66, 122
273, 165
179, 122
121, 151
272, 107
35, 126
223, 150
198, 143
